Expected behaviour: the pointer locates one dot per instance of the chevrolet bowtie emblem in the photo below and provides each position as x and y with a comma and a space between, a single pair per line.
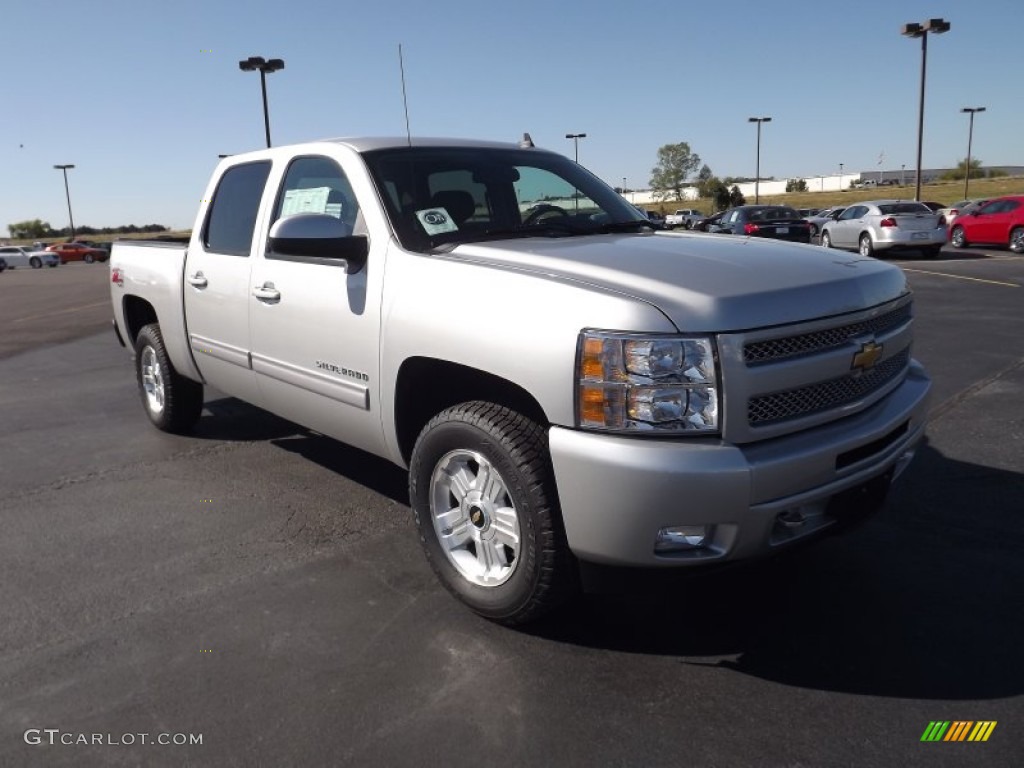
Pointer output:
866, 358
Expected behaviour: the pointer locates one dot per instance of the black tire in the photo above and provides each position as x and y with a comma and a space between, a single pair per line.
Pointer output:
865, 248
826, 239
182, 398
89, 258
958, 238
35, 262
54, 264
1017, 240
933, 252
543, 573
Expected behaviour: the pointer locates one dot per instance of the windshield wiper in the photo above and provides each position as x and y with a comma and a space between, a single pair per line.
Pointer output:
624, 226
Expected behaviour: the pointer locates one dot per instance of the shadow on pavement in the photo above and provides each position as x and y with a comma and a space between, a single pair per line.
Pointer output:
923, 602
230, 419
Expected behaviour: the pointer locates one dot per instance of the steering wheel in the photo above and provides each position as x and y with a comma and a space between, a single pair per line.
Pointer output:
534, 216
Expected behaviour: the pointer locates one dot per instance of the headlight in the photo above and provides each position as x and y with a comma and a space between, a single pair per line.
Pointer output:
629, 383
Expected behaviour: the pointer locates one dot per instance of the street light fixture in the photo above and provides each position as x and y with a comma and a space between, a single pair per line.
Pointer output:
757, 174
67, 194
938, 27
970, 135
576, 143
259, 63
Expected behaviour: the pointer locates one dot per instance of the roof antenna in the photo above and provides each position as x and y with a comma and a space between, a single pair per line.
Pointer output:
405, 101
526, 142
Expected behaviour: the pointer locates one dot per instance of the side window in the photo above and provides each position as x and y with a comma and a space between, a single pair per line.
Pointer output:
850, 213
1010, 205
317, 185
232, 218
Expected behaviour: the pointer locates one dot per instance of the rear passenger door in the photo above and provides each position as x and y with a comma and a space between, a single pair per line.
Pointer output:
217, 281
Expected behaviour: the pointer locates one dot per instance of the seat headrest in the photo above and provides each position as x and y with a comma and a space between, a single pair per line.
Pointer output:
459, 203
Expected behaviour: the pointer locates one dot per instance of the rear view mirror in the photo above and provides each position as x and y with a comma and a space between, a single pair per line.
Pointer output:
320, 237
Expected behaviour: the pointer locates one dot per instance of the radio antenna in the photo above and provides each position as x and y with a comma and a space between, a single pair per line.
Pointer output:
405, 101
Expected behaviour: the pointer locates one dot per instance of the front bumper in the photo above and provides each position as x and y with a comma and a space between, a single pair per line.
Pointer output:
616, 492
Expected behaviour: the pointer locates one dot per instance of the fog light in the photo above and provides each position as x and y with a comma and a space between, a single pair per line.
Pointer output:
680, 538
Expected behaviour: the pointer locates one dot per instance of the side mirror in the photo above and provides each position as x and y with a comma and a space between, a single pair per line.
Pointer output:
319, 237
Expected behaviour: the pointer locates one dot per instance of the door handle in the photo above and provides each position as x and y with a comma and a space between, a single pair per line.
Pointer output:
198, 279
266, 292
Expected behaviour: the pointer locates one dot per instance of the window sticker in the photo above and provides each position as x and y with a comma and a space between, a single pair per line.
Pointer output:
436, 220
312, 200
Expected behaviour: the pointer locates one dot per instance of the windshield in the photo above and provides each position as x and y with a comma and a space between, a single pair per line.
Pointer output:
439, 196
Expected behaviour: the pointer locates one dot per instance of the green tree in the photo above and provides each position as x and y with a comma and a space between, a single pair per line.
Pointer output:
23, 230
960, 171
704, 178
722, 196
675, 163
736, 197
796, 185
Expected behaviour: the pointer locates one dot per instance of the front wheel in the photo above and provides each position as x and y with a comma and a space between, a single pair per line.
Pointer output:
866, 248
1017, 240
89, 258
826, 240
172, 402
958, 238
483, 495
36, 262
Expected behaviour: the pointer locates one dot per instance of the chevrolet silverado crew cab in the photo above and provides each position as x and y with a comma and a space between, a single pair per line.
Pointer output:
565, 385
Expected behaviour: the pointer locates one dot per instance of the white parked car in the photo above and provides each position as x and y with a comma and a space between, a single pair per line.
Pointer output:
885, 225
24, 256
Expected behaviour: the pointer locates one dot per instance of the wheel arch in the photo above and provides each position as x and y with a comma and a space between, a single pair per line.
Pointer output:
425, 386
137, 313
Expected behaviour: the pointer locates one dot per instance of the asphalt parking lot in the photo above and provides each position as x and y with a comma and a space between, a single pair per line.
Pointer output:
261, 586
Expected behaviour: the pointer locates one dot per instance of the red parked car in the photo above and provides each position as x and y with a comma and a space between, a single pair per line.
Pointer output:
78, 252
997, 222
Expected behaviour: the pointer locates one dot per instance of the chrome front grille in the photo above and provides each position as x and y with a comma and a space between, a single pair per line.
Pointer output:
825, 395
770, 350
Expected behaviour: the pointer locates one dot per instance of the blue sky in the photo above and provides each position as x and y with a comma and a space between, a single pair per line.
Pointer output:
142, 96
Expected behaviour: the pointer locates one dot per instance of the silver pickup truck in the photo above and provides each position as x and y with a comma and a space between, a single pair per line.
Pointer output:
565, 385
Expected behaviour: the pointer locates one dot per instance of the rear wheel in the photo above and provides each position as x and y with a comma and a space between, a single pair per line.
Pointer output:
36, 262
1017, 240
172, 402
483, 495
958, 238
932, 252
866, 248
826, 240
89, 258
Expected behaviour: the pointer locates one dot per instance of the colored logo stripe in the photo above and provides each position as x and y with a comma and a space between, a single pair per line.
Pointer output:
958, 730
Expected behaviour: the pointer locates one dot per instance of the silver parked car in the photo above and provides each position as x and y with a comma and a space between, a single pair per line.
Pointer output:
24, 256
885, 225
829, 214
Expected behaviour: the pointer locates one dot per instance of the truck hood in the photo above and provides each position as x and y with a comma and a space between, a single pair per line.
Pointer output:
706, 283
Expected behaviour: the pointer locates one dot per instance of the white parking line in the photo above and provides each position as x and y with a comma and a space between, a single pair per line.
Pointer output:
60, 312
961, 277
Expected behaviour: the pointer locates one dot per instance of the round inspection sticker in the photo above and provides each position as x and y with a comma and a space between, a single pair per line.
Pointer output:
436, 220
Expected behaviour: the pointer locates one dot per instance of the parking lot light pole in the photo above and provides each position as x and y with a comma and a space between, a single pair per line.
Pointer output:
757, 173
970, 135
935, 26
259, 63
840, 177
67, 194
576, 144
903, 168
